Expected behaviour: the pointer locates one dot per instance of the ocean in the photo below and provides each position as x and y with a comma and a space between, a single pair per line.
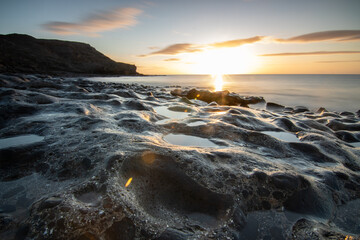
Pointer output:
333, 92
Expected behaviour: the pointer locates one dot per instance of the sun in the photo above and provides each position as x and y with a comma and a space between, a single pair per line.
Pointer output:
219, 61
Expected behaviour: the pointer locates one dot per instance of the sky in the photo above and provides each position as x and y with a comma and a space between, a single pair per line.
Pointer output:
202, 36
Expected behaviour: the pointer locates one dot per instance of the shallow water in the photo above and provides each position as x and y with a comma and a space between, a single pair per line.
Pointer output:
284, 136
334, 92
188, 141
169, 114
20, 140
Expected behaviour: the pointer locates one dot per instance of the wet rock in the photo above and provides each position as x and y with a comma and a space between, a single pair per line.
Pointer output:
346, 136
337, 125
274, 106
285, 181
300, 109
50, 203
7, 208
136, 105
173, 234
122, 230
307, 201
321, 110
167, 187
220, 97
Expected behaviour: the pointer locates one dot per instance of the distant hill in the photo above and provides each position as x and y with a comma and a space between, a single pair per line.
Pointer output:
25, 54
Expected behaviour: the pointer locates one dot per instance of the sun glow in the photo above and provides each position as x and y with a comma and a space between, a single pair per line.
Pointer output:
239, 60
219, 82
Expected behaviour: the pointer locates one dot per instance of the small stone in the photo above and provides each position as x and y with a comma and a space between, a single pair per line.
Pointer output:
50, 203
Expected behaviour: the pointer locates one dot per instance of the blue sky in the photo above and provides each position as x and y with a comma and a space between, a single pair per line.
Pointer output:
126, 30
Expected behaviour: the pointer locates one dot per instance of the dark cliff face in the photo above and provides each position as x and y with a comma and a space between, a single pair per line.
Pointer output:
25, 54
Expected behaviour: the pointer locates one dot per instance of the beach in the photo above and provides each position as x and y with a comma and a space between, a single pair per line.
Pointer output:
89, 159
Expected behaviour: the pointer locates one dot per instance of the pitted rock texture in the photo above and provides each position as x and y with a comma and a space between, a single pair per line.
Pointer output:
105, 169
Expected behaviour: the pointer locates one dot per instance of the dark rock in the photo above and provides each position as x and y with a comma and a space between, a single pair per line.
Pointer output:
307, 201
300, 109
50, 203
263, 192
239, 218
285, 181
312, 151
278, 195
337, 125
13, 192
7, 208
173, 234
274, 106
261, 176
321, 110
23, 53
220, 97
86, 163
122, 230
22, 232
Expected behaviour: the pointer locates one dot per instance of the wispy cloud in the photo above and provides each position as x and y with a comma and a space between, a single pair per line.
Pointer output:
96, 22
309, 53
190, 48
337, 35
176, 49
172, 59
350, 61
236, 42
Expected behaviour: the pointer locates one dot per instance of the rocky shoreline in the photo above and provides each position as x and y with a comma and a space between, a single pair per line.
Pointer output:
91, 160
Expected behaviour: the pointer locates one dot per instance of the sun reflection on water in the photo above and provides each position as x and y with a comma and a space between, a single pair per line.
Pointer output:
218, 82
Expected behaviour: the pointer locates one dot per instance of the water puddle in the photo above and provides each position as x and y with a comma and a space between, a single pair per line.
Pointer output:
20, 141
197, 123
164, 111
355, 144
284, 136
188, 141
91, 198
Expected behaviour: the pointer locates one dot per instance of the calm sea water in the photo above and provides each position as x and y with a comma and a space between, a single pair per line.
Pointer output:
334, 92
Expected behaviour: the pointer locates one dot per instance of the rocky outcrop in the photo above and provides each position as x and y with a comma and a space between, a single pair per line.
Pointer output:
83, 159
220, 97
25, 54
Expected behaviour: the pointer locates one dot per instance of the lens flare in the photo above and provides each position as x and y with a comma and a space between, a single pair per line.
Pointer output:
128, 182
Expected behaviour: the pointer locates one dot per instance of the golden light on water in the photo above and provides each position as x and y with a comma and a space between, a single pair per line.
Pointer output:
218, 82
128, 182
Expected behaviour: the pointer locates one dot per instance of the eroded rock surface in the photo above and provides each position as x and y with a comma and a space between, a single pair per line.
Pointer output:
104, 167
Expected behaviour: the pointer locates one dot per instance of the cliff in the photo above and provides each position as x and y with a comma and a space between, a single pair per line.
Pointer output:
25, 54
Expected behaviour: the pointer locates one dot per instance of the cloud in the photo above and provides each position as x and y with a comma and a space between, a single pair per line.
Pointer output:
309, 53
96, 22
337, 35
190, 48
176, 49
236, 42
351, 61
172, 59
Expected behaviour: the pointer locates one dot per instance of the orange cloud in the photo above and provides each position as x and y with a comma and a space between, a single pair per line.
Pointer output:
97, 22
176, 49
172, 59
350, 61
309, 53
337, 35
190, 48
237, 42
